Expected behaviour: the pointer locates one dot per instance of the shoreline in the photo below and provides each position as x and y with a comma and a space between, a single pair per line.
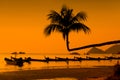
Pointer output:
77, 73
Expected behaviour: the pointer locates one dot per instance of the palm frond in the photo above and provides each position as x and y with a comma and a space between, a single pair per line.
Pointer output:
66, 15
54, 16
51, 28
64, 32
64, 10
79, 26
79, 17
69, 15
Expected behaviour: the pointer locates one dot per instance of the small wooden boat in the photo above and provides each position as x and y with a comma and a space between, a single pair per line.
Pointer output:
48, 59
10, 61
61, 59
79, 58
15, 61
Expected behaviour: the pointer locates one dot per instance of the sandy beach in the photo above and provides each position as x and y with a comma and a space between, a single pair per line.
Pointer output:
51, 74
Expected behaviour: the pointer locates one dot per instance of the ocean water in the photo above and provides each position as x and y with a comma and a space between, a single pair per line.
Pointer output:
54, 65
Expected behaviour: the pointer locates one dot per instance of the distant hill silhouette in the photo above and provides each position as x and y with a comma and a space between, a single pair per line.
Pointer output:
113, 49
95, 51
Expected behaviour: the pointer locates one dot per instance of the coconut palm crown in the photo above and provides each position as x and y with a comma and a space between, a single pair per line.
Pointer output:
65, 22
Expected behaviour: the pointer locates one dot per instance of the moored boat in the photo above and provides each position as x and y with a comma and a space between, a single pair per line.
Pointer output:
15, 61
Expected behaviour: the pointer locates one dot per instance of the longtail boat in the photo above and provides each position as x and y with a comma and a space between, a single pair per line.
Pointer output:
18, 62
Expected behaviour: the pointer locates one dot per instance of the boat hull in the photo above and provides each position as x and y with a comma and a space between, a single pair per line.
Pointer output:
13, 62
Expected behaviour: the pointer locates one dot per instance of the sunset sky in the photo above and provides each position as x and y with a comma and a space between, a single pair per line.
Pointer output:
22, 23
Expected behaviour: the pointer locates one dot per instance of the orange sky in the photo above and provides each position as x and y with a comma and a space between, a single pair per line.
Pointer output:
22, 23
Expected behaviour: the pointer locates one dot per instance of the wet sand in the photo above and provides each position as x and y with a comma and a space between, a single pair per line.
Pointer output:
78, 73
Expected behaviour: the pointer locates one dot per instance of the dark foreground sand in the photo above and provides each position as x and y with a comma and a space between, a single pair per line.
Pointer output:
50, 74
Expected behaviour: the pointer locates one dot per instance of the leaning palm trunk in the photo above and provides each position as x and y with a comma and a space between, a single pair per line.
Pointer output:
93, 45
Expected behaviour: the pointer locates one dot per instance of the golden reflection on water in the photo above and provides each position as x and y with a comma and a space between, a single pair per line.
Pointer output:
59, 79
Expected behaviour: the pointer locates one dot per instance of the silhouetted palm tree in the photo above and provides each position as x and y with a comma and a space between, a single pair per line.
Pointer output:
65, 22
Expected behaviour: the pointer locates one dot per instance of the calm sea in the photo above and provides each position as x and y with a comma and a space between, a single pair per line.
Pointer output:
53, 65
